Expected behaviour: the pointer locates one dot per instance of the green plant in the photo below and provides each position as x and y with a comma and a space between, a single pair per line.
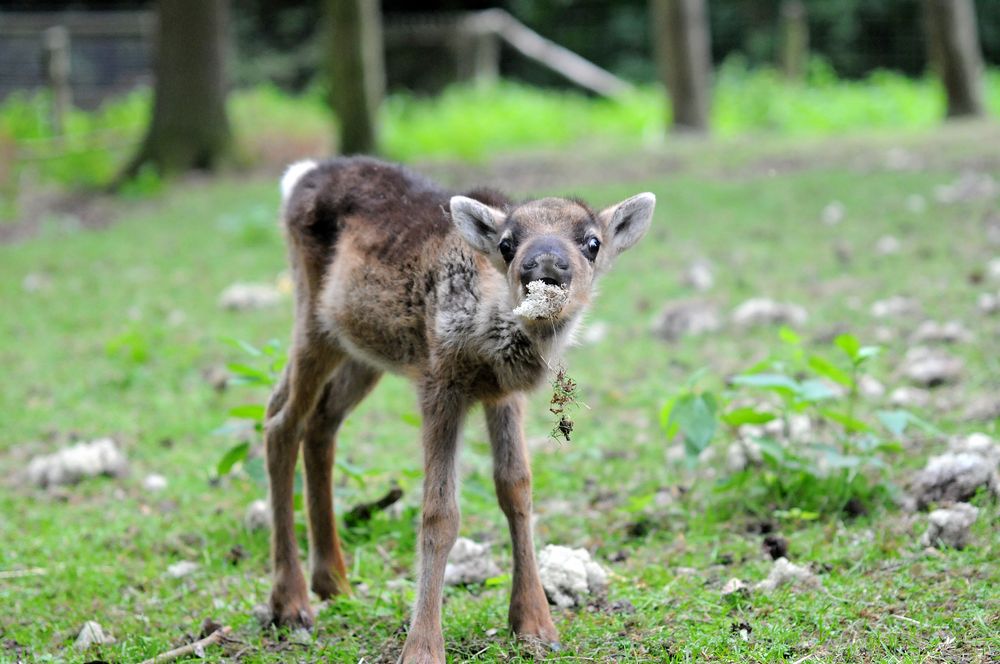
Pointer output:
837, 463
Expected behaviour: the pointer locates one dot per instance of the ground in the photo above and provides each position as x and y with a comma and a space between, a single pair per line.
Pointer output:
117, 332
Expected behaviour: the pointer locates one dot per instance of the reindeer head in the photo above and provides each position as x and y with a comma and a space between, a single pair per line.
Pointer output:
557, 241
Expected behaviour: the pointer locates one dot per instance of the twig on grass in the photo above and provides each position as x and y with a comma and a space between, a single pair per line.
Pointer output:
190, 649
365, 511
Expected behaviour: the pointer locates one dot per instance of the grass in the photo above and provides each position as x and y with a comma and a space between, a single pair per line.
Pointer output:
471, 123
122, 323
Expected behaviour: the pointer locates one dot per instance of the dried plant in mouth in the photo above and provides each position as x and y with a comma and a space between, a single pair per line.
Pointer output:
563, 395
543, 301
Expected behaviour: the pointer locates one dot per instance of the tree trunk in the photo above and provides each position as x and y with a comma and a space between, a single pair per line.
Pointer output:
189, 128
955, 55
794, 39
681, 39
356, 70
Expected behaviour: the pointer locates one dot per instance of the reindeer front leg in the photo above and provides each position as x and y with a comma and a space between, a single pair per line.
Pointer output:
529, 610
443, 410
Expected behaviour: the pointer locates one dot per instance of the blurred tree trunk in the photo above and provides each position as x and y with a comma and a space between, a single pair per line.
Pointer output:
356, 70
955, 55
189, 128
681, 40
794, 39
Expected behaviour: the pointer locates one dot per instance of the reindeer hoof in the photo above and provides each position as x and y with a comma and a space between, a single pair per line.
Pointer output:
292, 612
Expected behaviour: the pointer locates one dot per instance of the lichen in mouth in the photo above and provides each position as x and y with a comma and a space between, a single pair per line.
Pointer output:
543, 301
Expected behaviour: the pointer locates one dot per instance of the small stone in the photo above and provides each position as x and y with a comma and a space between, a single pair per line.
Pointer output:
928, 367
897, 306
182, 569
687, 318
469, 563
595, 332
785, 573
734, 586
77, 462
833, 213
950, 526
988, 303
154, 483
764, 311
870, 387
954, 477
993, 269
976, 443
887, 245
569, 575
34, 282
910, 397
258, 516
970, 186
243, 296
982, 409
699, 275
950, 332
262, 614
91, 634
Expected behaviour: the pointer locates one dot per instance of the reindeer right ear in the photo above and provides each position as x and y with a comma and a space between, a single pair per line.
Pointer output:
478, 223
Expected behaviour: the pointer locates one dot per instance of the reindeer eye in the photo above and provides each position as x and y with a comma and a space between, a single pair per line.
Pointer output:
592, 245
506, 248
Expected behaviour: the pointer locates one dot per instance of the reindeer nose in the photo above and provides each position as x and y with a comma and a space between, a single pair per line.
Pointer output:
547, 267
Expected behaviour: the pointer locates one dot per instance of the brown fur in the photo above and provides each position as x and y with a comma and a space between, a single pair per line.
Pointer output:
392, 273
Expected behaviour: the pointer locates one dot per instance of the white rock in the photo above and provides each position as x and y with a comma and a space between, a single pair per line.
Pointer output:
181, 569
569, 575
901, 159
595, 332
884, 335
34, 282
950, 526
258, 516
949, 332
699, 275
887, 245
242, 296
784, 572
989, 303
764, 311
92, 634
954, 477
690, 317
741, 454
993, 269
469, 563
833, 213
154, 483
870, 387
976, 443
929, 367
970, 185
895, 307
982, 409
74, 463
910, 397
543, 301
734, 586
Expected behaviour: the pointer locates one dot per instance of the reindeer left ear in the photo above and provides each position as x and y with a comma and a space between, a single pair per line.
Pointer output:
626, 223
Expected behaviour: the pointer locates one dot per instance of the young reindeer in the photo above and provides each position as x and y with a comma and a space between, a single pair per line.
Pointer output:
394, 274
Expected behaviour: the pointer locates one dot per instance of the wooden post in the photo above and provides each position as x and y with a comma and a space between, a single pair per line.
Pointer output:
57, 69
794, 39
955, 55
681, 40
357, 71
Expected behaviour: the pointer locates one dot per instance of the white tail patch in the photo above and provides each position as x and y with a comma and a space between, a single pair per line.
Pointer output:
292, 176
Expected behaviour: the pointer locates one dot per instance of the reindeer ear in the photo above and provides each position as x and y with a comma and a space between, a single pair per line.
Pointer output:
478, 223
626, 223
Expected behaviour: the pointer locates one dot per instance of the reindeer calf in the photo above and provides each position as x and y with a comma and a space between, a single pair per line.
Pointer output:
394, 274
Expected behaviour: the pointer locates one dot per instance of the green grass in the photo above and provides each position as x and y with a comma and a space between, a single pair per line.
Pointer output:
118, 337
469, 122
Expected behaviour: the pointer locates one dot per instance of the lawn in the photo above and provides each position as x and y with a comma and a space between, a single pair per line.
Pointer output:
113, 332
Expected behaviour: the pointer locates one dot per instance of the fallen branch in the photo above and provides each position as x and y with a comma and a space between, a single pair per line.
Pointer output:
196, 648
365, 511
